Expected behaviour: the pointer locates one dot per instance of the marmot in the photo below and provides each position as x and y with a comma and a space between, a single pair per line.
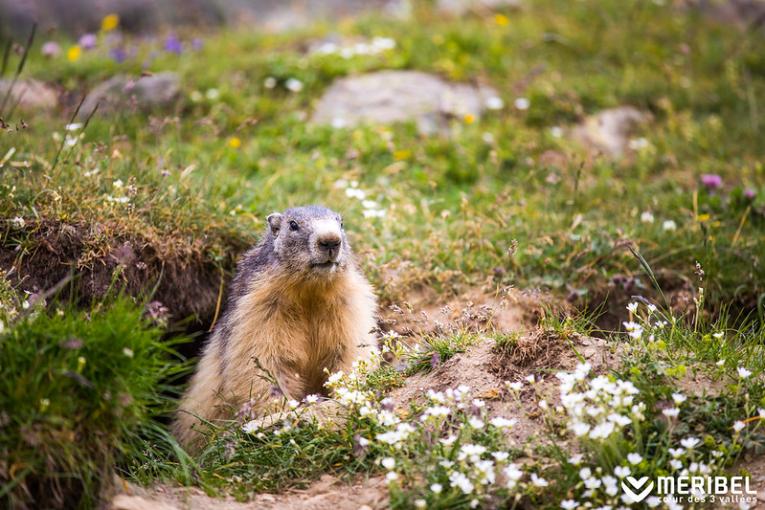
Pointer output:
298, 308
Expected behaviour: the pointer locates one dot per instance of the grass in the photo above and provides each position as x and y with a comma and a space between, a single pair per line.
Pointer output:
82, 393
500, 199
473, 200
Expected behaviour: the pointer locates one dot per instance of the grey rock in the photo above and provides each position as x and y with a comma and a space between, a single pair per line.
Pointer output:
745, 14
609, 131
395, 96
459, 7
145, 94
28, 95
76, 17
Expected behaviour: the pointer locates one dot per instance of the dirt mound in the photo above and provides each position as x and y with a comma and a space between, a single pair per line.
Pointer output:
477, 310
327, 493
100, 260
530, 353
483, 368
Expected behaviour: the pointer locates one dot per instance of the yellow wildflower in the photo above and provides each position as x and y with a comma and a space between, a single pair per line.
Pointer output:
469, 118
234, 142
73, 53
401, 155
501, 20
109, 22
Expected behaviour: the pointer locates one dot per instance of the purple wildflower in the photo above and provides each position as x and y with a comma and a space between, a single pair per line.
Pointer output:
750, 193
173, 45
197, 44
51, 49
118, 54
88, 41
711, 181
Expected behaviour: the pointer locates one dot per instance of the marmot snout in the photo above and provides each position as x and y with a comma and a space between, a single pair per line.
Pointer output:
298, 308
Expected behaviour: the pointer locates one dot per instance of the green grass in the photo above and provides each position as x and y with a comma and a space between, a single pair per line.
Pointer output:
82, 392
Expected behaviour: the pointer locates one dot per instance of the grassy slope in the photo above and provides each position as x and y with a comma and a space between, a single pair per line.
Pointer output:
469, 199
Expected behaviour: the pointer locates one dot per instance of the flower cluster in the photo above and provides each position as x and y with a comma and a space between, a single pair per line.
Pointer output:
599, 407
372, 209
450, 443
374, 47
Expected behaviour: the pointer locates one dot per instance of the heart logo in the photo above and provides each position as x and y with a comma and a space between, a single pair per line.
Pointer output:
637, 489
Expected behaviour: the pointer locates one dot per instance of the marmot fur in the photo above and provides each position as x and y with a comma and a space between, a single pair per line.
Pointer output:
298, 307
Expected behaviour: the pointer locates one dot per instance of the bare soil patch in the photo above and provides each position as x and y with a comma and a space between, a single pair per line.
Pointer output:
504, 310
327, 493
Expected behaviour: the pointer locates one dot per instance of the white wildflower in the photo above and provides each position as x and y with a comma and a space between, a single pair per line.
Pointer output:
522, 103
294, 85
495, 103
501, 422
251, 427
690, 442
538, 481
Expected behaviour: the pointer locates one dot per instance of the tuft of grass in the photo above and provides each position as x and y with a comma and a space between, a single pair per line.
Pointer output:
431, 352
80, 393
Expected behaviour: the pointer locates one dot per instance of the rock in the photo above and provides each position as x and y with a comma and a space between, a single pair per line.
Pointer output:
395, 96
609, 131
459, 7
77, 17
29, 95
746, 14
147, 93
292, 14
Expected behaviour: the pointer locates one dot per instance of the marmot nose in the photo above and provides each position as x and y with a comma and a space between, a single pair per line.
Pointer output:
330, 244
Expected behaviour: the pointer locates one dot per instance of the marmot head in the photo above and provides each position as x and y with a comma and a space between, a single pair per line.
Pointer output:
309, 239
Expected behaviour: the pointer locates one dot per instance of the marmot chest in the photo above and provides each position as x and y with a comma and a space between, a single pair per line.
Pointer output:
319, 340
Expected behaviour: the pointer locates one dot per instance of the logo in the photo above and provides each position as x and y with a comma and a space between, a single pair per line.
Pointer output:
690, 489
638, 489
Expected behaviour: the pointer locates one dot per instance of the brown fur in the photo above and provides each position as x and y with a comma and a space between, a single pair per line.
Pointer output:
295, 328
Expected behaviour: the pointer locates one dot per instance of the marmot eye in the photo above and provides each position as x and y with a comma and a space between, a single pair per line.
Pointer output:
294, 225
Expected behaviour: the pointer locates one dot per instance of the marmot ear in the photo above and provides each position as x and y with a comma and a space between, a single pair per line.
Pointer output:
274, 221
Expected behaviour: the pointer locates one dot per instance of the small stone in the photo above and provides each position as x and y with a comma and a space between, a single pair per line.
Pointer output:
398, 96
609, 131
459, 7
147, 93
29, 95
